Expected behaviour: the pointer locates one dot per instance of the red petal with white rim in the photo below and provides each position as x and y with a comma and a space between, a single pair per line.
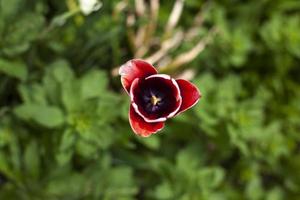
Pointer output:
189, 93
135, 69
140, 126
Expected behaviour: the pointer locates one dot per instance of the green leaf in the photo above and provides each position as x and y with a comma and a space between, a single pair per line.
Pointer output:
65, 149
101, 136
106, 108
163, 191
69, 184
48, 116
33, 94
64, 157
275, 194
21, 32
68, 140
61, 71
71, 98
5, 167
211, 177
120, 183
10, 8
14, 69
93, 84
254, 188
188, 160
86, 149
151, 142
32, 159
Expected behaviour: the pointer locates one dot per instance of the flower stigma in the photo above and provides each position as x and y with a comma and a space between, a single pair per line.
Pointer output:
155, 100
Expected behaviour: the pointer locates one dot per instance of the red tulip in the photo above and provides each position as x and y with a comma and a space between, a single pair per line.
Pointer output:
154, 97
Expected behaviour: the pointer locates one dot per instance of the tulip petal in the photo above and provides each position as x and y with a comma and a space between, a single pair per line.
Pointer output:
140, 126
189, 93
133, 69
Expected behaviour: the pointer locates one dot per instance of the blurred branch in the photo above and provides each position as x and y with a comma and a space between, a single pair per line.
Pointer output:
58, 21
191, 54
130, 21
119, 8
140, 7
148, 30
143, 39
177, 39
194, 30
165, 47
187, 74
174, 16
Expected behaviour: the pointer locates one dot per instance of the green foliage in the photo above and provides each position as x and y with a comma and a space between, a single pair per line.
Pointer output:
14, 69
64, 131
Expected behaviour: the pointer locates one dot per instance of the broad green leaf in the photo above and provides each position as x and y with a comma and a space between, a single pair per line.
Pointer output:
65, 149
33, 94
275, 194
10, 8
254, 189
70, 185
164, 191
48, 116
14, 69
151, 142
61, 71
188, 159
64, 157
93, 84
86, 149
210, 177
67, 140
102, 136
22, 31
71, 98
120, 183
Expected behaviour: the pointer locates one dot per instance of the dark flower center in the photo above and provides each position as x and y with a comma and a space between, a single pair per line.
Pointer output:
156, 97
153, 100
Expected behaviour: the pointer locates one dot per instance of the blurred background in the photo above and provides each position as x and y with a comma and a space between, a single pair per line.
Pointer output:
64, 131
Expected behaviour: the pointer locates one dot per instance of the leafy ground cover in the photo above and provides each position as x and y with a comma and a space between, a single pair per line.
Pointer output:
64, 131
